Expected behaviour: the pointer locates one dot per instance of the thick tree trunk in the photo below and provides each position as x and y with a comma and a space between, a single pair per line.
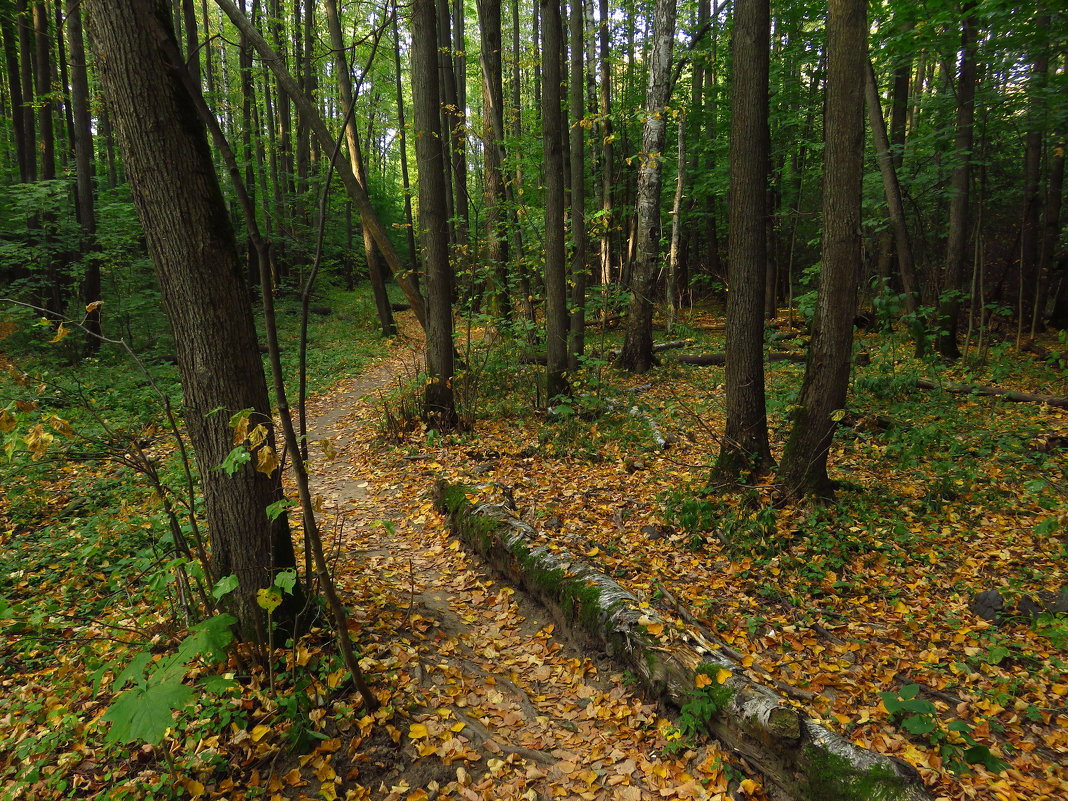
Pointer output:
793, 752
439, 406
745, 451
637, 355
957, 244
186, 224
823, 391
556, 320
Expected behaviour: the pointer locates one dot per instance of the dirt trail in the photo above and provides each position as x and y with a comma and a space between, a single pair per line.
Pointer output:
483, 697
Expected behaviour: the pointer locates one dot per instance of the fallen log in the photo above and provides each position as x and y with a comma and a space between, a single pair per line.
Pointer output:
720, 359
995, 392
800, 759
1054, 357
538, 357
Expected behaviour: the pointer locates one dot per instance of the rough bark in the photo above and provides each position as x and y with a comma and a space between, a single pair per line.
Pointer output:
745, 450
439, 407
637, 355
823, 390
413, 256
1031, 306
577, 148
792, 751
23, 142
178, 200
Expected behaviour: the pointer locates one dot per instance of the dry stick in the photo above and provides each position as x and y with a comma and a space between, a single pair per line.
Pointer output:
300, 472
485, 735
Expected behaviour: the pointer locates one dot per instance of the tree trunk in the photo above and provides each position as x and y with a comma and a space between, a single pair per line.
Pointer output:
439, 406
745, 451
24, 143
607, 150
26, 73
891, 191
823, 390
577, 151
413, 255
556, 320
186, 224
356, 190
341, 65
637, 355
957, 244
489, 21
1031, 228
84, 169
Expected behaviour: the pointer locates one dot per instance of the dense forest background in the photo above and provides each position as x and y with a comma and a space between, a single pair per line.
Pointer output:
837, 462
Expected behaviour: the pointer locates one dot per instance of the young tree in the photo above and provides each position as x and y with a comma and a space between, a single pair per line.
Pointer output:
577, 148
637, 353
745, 450
186, 223
823, 390
439, 405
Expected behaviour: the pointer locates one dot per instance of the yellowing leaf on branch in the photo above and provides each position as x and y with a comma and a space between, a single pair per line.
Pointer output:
7, 421
269, 599
37, 441
266, 460
61, 333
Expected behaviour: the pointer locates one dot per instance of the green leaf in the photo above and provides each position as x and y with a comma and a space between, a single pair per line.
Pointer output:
224, 586
217, 685
235, 460
135, 671
285, 580
208, 639
274, 511
980, 755
997, 654
145, 713
918, 724
909, 691
269, 599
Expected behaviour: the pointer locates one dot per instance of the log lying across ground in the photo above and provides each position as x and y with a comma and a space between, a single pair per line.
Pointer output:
706, 359
995, 392
800, 759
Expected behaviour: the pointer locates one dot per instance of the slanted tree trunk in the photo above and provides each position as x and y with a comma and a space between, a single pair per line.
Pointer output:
745, 450
637, 355
823, 390
344, 76
556, 321
577, 149
892, 192
177, 196
439, 406
957, 244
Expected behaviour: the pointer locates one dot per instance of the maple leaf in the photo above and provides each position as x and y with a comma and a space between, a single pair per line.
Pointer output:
266, 460
146, 713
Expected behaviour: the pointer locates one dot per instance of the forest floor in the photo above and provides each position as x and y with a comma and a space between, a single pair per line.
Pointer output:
848, 607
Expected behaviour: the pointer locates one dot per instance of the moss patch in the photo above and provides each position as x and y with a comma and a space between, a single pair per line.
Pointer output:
834, 778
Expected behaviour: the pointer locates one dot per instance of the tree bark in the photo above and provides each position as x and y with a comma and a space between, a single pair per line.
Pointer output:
637, 355
413, 255
823, 390
577, 149
745, 451
177, 196
439, 406
24, 143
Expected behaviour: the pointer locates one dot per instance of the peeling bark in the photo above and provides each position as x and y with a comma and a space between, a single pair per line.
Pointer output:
800, 759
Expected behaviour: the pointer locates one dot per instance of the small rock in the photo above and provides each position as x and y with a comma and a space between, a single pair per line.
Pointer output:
634, 465
1029, 607
989, 605
654, 532
554, 523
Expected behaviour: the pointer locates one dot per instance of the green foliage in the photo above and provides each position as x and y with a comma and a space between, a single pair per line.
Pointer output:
955, 741
698, 712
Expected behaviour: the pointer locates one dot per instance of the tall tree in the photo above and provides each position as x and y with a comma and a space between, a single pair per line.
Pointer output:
556, 321
577, 148
957, 238
745, 450
439, 404
637, 353
823, 390
177, 196
1031, 229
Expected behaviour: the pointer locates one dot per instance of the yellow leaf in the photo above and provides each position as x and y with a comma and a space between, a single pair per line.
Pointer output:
92, 307
418, 795
748, 660
268, 598
722, 675
193, 787
7, 421
458, 726
257, 435
61, 333
900, 608
656, 629
417, 730
266, 460
1060, 689
38, 441
748, 786
60, 426
838, 415
259, 731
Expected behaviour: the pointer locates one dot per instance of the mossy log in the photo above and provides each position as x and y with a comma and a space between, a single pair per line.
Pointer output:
720, 359
800, 759
995, 392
